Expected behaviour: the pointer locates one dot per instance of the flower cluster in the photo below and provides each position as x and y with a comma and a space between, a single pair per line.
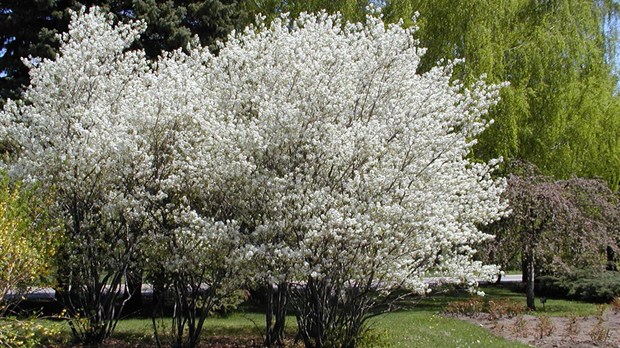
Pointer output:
361, 164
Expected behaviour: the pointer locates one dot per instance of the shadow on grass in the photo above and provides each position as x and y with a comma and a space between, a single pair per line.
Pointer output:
439, 298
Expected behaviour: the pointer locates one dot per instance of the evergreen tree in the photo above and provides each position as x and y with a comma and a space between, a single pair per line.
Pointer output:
26, 28
171, 24
560, 111
29, 28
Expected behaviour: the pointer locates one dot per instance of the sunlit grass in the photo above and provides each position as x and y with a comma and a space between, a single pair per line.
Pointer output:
552, 307
402, 329
422, 329
421, 324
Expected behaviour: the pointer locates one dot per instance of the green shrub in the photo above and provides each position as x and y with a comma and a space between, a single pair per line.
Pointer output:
28, 238
27, 333
599, 287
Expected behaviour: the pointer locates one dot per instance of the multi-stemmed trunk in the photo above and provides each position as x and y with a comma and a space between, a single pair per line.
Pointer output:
275, 318
331, 314
91, 279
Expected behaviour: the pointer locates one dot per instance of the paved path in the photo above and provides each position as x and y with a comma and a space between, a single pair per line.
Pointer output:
48, 294
512, 278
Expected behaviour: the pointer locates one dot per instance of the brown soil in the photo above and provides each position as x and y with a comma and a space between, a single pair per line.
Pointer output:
576, 332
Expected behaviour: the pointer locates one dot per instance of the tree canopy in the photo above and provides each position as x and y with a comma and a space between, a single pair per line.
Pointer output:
555, 226
560, 111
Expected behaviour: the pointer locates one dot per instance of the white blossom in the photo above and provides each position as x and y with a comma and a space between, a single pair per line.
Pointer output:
361, 164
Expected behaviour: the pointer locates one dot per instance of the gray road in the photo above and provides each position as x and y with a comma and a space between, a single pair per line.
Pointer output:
47, 294
511, 278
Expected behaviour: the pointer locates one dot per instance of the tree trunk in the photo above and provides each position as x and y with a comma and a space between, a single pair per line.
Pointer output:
269, 317
134, 304
276, 309
611, 259
529, 277
280, 312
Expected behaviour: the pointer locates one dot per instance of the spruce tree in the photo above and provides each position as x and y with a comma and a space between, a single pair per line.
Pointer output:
29, 28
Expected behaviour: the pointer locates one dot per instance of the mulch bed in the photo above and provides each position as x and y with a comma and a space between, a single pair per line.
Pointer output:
577, 332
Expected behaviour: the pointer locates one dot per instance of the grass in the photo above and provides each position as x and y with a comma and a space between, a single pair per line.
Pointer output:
141, 330
407, 329
422, 325
413, 329
553, 307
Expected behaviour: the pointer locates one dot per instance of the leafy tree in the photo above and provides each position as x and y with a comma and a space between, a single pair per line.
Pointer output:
560, 110
555, 225
28, 240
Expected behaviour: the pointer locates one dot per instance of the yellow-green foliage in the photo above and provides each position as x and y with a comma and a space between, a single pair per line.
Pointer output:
27, 239
561, 109
25, 333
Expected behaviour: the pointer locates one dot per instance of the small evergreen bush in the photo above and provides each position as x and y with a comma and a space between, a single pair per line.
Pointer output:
585, 285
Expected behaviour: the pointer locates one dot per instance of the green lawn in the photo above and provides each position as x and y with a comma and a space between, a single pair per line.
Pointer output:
552, 307
421, 325
422, 329
408, 329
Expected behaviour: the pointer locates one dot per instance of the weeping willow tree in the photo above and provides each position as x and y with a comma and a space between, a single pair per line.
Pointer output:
561, 111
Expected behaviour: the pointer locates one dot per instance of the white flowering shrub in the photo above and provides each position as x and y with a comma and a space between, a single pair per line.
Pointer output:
139, 164
189, 167
362, 183
309, 147
73, 142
